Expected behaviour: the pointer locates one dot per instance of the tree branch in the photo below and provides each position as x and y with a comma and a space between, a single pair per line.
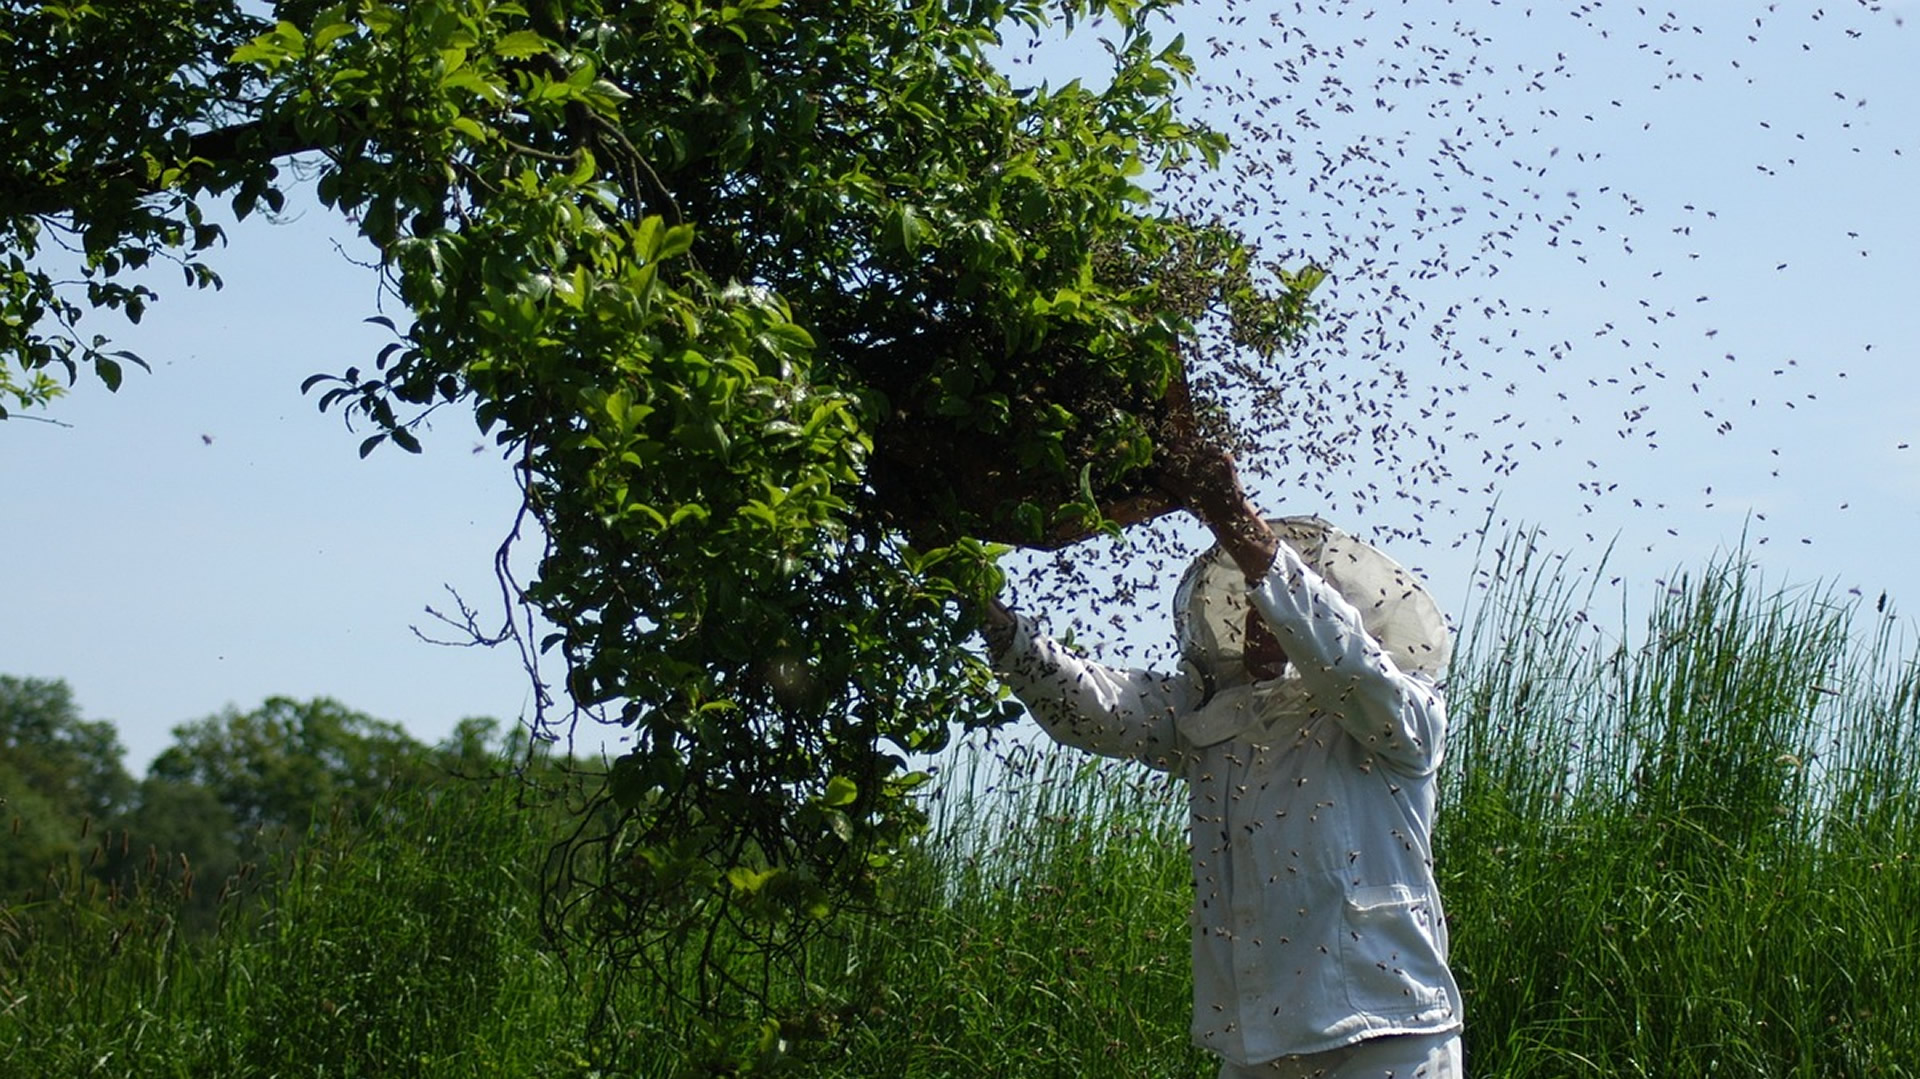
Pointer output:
210, 155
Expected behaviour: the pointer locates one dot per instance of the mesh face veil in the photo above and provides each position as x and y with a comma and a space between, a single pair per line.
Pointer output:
1210, 606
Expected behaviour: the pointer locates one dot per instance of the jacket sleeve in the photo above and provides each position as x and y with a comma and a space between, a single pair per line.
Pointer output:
1127, 714
1398, 715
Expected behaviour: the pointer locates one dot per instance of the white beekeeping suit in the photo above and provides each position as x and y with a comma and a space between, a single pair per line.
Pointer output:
1317, 924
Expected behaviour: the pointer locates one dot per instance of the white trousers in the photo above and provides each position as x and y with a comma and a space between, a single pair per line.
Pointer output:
1397, 1056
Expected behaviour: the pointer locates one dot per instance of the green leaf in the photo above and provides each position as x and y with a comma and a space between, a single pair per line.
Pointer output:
108, 371
678, 240
627, 781
641, 509
520, 44
840, 791
327, 34
839, 824
906, 229
646, 238
475, 83
748, 881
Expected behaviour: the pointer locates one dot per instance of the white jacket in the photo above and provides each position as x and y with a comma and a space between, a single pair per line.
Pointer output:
1316, 919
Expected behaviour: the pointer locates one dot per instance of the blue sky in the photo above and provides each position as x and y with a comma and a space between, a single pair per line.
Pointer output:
205, 537
1672, 308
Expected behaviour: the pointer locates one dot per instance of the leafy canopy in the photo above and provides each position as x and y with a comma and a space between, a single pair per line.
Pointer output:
779, 311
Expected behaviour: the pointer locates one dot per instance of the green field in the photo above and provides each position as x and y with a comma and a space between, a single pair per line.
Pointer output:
1681, 851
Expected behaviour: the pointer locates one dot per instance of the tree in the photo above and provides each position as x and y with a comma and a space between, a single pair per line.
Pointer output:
238, 793
35, 389
62, 779
236, 800
289, 766
741, 290
179, 838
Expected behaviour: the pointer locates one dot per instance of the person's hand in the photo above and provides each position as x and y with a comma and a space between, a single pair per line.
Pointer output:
1206, 481
998, 627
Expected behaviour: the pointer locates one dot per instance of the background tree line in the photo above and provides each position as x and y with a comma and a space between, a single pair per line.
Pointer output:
233, 793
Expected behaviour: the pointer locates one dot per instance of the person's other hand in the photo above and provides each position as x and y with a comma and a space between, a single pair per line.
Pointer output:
998, 628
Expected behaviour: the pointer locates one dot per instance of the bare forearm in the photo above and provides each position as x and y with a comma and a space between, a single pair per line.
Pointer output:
1244, 535
1210, 485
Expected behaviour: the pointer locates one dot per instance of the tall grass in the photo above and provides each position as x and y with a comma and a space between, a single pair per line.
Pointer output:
1050, 929
1684, 851
380, 952
1687, 852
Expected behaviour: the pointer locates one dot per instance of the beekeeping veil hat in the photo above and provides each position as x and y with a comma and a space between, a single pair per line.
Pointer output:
1210, 606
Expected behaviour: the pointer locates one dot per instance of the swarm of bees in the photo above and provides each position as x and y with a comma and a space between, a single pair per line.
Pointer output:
1525, 214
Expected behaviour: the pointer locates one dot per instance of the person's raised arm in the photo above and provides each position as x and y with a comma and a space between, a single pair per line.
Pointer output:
1205, 480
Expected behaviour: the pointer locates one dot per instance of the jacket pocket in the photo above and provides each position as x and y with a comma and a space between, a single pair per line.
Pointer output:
1395, 965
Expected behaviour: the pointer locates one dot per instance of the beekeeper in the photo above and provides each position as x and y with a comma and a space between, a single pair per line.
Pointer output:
1307, 722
